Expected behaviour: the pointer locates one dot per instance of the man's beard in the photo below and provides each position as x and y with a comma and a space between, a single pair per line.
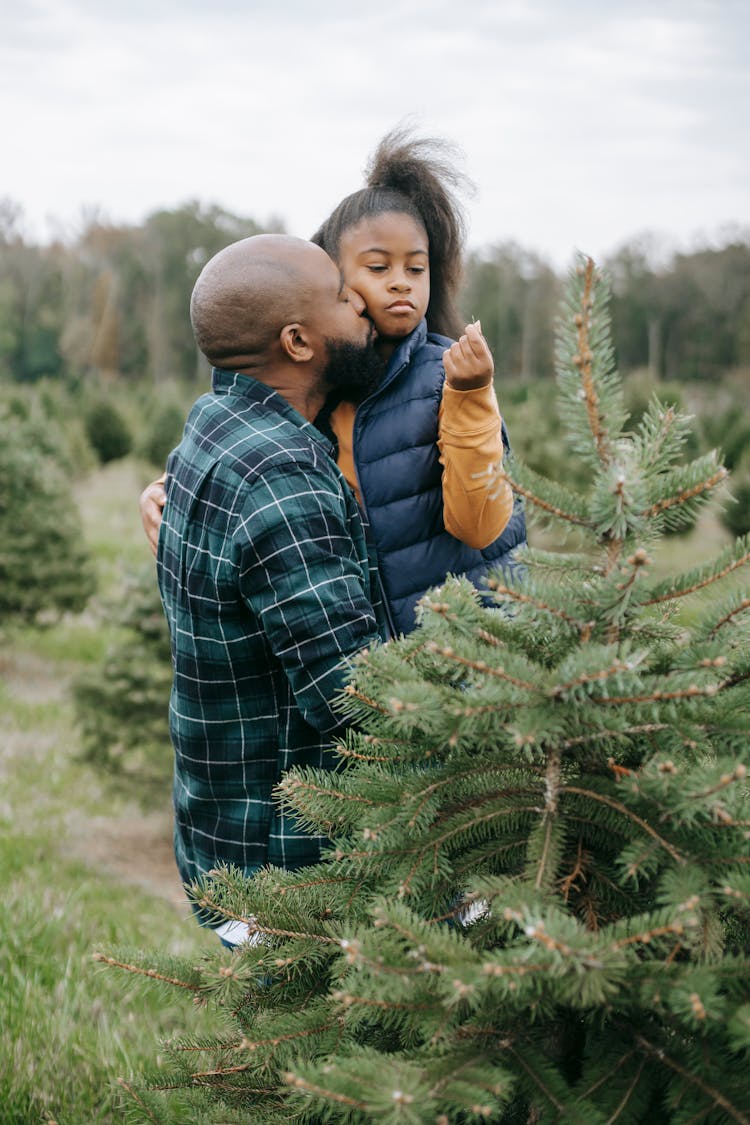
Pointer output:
353, 371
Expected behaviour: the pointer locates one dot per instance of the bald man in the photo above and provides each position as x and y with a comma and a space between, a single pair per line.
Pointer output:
262, 562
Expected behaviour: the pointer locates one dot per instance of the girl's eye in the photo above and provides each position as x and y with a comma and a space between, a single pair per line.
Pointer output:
376, 267
416, 269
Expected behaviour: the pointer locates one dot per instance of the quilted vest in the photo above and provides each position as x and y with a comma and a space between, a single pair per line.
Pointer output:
399, 474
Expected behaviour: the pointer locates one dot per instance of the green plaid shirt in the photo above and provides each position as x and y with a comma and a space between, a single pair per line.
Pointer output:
267, 587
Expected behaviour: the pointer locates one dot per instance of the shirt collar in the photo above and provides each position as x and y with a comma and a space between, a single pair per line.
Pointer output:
244, 386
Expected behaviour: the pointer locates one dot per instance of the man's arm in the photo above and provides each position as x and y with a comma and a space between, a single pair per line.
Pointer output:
470, 440
307, 582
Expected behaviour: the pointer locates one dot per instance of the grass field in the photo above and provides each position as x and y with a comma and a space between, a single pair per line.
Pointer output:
83, 868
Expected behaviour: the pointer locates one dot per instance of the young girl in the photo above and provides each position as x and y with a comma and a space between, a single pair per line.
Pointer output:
417, 449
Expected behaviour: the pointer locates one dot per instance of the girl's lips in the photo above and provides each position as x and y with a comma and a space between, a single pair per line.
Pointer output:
400, 306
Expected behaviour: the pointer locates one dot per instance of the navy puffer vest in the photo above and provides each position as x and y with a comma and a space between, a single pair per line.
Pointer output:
399, 473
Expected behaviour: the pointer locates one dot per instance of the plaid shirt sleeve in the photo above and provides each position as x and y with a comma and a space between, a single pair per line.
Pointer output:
301, 576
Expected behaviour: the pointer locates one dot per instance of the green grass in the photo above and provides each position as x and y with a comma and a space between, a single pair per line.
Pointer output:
68, 642
108, 499
70, 1027
70, 880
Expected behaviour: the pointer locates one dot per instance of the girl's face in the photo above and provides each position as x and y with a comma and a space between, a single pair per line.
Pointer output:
385, 258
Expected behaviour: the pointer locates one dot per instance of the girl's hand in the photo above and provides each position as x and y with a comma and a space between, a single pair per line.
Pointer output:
151, 504
468, 363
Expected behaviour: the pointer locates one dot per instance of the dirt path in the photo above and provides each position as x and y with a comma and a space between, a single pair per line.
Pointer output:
135, 848
132, 845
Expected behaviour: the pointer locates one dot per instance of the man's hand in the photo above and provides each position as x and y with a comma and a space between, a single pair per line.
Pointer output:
151, 504
468, 363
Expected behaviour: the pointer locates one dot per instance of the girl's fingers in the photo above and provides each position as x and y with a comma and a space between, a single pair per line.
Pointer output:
475, 339
469, 356
474, 350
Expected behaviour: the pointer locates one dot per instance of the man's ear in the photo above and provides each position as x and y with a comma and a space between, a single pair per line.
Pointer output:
295, 343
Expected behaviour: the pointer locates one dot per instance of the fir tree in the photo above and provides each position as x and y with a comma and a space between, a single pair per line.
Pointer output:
121, 707
536, 903
45, 567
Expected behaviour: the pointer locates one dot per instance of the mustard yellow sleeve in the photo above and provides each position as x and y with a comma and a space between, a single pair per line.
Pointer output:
470, 440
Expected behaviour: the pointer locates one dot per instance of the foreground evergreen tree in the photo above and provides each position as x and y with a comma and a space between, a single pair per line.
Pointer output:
536, 907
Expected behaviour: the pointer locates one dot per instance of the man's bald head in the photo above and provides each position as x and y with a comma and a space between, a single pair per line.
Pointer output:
249, 291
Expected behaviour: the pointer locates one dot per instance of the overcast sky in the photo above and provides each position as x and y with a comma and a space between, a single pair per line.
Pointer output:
582, 122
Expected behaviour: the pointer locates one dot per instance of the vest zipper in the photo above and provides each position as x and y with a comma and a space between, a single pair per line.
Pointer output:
370, 529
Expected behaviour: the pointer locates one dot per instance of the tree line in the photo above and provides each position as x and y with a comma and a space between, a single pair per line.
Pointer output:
114, 300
